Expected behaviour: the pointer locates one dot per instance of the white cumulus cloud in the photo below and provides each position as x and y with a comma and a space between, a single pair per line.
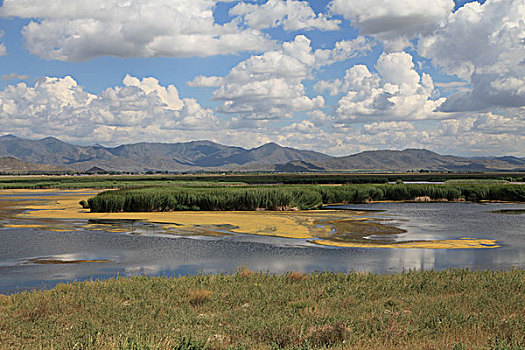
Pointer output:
62, 108
76, 30
204, 81
293, 15
394, 22
395, 92
270, 85
169, 96
483, 44
378, 127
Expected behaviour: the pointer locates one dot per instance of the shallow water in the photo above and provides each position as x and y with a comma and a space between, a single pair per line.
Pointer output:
152, 253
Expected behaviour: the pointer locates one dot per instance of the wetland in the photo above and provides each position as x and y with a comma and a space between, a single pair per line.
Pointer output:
353, 266
48, 237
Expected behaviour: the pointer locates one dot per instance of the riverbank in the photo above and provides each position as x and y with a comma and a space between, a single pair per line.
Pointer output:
451, 309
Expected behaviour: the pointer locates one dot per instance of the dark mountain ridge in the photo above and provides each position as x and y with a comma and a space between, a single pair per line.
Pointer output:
211, 156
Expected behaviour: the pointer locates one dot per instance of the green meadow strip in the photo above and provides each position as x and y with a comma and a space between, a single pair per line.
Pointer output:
132, 181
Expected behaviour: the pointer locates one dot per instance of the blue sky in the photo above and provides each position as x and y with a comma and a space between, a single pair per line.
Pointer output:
335, 76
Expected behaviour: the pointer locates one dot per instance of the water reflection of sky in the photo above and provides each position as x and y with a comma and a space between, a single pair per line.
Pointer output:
449, 220
154, 254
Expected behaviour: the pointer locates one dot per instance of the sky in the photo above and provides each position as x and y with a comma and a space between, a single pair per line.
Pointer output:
334, 76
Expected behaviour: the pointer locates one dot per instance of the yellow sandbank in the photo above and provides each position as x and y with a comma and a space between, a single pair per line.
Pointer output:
462, 243
322, 226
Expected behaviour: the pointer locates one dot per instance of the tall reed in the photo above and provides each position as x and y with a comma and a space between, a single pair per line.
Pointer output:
287, 196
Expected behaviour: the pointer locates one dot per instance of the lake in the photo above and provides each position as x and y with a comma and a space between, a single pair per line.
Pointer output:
141, 250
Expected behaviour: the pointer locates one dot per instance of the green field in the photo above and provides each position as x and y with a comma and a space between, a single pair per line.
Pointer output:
127, 181
451, 309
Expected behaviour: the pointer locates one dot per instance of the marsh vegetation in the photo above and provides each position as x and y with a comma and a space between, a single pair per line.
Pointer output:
173, 198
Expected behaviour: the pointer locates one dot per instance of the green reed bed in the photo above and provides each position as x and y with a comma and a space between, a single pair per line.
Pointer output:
451, 309
195, 198
287, 196
402, 192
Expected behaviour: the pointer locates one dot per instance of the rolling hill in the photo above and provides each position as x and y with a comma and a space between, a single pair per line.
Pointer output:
10, 165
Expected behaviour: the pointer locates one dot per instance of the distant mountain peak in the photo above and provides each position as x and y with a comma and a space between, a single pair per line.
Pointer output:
418, 150
269, 145
96, 170
9, 136
203, 142
53, 140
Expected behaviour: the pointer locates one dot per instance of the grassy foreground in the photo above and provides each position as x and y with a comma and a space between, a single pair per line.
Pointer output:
452, 309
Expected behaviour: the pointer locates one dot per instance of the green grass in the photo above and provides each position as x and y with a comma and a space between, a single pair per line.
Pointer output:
173, 198
451, 309
102, 182
127, 181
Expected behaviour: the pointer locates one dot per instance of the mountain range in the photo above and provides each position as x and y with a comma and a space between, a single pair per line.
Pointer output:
211, 156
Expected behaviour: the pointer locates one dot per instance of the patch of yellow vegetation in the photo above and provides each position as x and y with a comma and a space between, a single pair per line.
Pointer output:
22, 225
48, 192
105, 228
54, 229
319, 225
462, 243
282, 224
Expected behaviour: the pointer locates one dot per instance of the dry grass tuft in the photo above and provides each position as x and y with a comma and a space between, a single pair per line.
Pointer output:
315, 311
243, 271
328, 334
198, 297
296, 276
348, 302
